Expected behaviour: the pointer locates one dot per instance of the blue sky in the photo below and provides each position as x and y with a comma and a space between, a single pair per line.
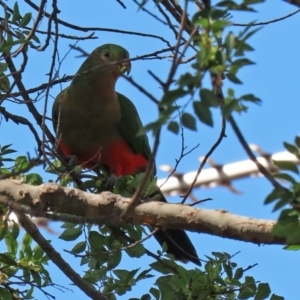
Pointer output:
274, 79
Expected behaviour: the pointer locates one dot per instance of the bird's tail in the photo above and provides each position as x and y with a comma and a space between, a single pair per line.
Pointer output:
178, 244
177, 241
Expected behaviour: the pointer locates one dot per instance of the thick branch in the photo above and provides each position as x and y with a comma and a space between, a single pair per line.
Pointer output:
107, 207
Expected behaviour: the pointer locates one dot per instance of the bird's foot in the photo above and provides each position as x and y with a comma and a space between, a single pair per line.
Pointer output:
72, 161
110, 182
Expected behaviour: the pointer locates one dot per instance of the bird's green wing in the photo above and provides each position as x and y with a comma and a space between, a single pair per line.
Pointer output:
130, 125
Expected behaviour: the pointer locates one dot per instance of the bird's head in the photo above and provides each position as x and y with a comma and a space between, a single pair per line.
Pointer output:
110, 59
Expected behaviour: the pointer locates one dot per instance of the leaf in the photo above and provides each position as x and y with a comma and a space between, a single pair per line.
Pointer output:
171, 96
238, 273
16, 13
228, 108
155, 293
292, 247
291, 148
208, 98
3, 67
80, 247
163, 268
233, 78
228, 270
229, 43
4, 82
33, 179
38, 252
297, 141
25, 20
286, 165
114, 259
136, 251
188, 121
71, 234
275, 297
173, 127
275, 194
7, 260
203, 113
263, 291
284, 176
144, 275
5, 294
21, 163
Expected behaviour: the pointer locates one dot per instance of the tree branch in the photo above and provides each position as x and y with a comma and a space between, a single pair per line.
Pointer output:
105, 208
56, 258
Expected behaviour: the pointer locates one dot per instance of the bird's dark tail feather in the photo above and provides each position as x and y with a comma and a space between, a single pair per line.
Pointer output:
177, 240
178, 244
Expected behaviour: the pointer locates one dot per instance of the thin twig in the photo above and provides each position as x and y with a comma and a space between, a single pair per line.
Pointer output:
85, 29
246, 147
268, 22
208, 154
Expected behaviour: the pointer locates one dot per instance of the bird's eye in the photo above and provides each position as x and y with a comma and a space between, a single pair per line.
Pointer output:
106, 54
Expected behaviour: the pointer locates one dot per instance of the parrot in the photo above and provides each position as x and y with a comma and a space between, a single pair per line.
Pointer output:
101, 127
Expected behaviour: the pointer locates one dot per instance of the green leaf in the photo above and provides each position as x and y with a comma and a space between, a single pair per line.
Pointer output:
188, 121
209, 98
275, 194
5, 294
284, 176
163, 268
3, 229
203, 113
297, 141
7, 260
144, 275
136, 251
33, 179
38, 252
292, 247
286, 165
171, 96
4, 82
71, 234
25, 20
80, 247
3, 67
291, 148
21, 163
228, 270
233, 78
250, 97
26, 242
263, 291
155, 293
238, 273
96, 240
146, 297
114, 259
16, 13
173, 127
228, 108
229, 43
275, 297
248, 288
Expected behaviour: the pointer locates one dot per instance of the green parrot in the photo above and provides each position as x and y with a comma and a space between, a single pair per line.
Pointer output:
99, 126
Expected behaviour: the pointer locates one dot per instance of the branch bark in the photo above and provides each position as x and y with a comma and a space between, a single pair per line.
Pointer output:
77, 206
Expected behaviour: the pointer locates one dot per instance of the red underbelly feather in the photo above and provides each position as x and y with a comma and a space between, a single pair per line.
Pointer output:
118, 157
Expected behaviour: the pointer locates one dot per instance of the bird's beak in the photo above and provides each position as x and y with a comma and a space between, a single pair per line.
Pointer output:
125, 67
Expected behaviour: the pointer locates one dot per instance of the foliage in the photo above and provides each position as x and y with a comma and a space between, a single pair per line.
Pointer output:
215, 51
